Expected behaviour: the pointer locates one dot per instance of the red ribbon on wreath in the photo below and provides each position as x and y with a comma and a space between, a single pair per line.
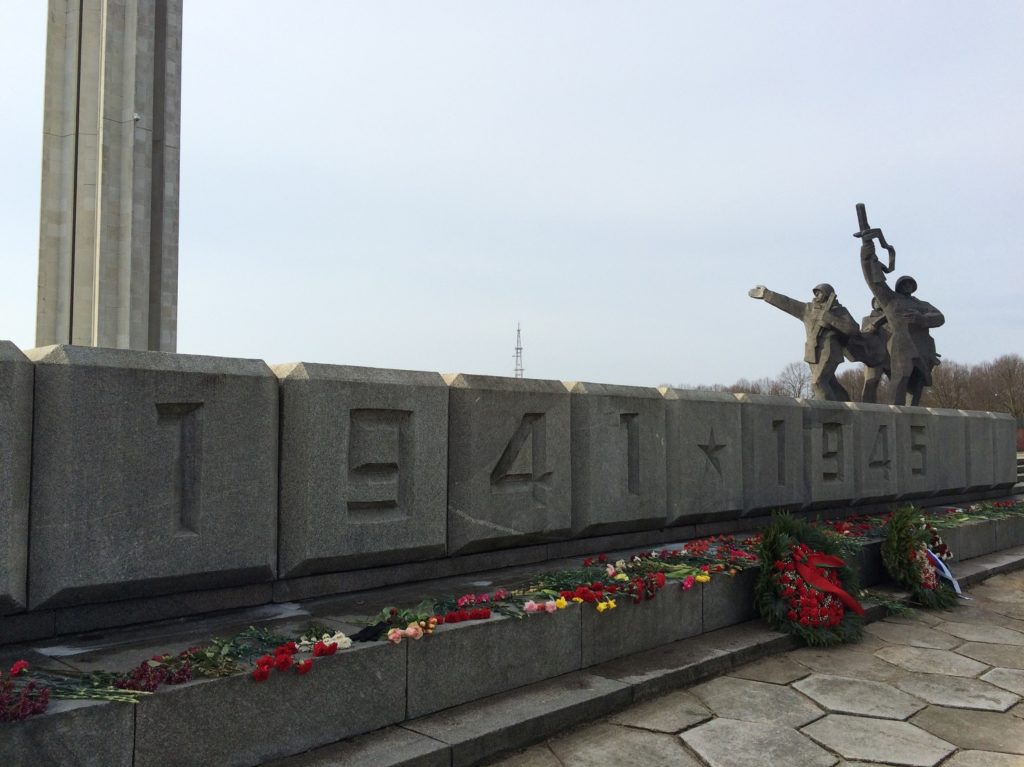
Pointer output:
808, 570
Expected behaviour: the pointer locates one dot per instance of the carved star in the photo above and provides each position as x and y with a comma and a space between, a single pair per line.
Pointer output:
711, 449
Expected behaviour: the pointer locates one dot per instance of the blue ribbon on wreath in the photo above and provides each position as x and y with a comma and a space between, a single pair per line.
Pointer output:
945, 574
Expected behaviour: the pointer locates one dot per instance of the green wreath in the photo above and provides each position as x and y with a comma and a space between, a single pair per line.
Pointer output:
804, 586
905, 554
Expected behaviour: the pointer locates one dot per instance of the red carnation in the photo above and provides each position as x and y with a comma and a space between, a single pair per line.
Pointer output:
303, 667
260, 673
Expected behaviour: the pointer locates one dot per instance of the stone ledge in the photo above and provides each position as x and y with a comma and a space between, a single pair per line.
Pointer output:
226, 721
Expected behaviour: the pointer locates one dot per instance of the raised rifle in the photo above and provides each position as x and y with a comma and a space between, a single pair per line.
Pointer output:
866, 233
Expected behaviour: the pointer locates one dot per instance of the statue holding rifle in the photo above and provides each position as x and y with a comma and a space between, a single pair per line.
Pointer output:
911, 348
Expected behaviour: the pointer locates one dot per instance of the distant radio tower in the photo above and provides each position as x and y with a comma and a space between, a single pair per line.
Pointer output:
519, 352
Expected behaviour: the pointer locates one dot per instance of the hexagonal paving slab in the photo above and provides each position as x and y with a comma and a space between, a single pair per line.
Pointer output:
984, 759
731, 743
958, 692
777, 669
756, 702
1011, 679
930, 661
857, 696
611, 744
1002, 655
914, 635
983, 633
873, 740
844, 662
978, 730
669, 713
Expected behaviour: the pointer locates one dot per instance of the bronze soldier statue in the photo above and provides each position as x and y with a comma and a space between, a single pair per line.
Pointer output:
911, 348
829, 327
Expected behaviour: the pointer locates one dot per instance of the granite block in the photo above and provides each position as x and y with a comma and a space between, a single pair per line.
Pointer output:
874, 450
979, 436
978, 538
15, 461
364, 456
509, 479
238, 722
729, 600
705, 456
830, 455
486, 727
71, 734
1010, 532
489, 657
159, 471
931, 451
1004, 452
618, 458
774, 475
916, 454
630, 628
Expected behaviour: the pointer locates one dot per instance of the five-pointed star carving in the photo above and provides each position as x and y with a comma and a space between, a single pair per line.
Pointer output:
711, 449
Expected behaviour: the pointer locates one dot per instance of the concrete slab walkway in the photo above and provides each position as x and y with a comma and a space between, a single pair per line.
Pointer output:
923, 689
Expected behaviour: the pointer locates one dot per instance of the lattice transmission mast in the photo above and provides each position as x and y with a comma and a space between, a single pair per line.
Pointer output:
519, 352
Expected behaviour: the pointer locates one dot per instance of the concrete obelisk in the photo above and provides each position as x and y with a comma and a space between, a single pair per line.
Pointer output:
108, 242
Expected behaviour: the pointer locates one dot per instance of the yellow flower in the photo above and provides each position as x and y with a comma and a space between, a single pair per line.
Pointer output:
703, 578
560, 603
577, 600
622, 577
611, 604
602, 606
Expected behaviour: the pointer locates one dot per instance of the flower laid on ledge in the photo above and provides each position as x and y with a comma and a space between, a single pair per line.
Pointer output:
804, 585
905, 553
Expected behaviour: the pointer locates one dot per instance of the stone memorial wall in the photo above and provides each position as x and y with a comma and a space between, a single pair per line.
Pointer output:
136, 485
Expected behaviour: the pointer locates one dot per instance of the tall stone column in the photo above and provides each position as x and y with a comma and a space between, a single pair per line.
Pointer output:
108, 241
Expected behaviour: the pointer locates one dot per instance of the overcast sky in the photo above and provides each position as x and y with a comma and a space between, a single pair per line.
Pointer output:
398, 184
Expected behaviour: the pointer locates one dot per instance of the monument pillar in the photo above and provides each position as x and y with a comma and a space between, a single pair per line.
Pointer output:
108, 240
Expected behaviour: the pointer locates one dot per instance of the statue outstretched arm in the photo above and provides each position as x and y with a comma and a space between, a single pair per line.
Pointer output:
779, 301
874, 275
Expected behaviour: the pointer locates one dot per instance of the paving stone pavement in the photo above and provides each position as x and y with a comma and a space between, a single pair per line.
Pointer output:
923, 689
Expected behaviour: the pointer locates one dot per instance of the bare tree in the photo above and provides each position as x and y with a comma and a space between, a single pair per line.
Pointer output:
794, 380
852, 379
951, 386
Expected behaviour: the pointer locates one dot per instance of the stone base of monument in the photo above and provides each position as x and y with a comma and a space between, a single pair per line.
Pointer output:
470, 691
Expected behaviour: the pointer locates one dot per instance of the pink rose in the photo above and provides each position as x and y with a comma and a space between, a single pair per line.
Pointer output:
395, 636
550, 606
414, 631
532, 607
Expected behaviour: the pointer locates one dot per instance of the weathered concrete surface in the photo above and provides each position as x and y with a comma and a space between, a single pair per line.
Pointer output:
879, 739
75, 733
673, 712
751, 701
146, 465
366, 486
875, 464
499, 723
732, 743
509, 479
618, 458
490, 657
16, 376
979, 730
612, 744
830, 454
958, 692
705, 455
391, 746
862, 697
108, 229
237, 721
774, 472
